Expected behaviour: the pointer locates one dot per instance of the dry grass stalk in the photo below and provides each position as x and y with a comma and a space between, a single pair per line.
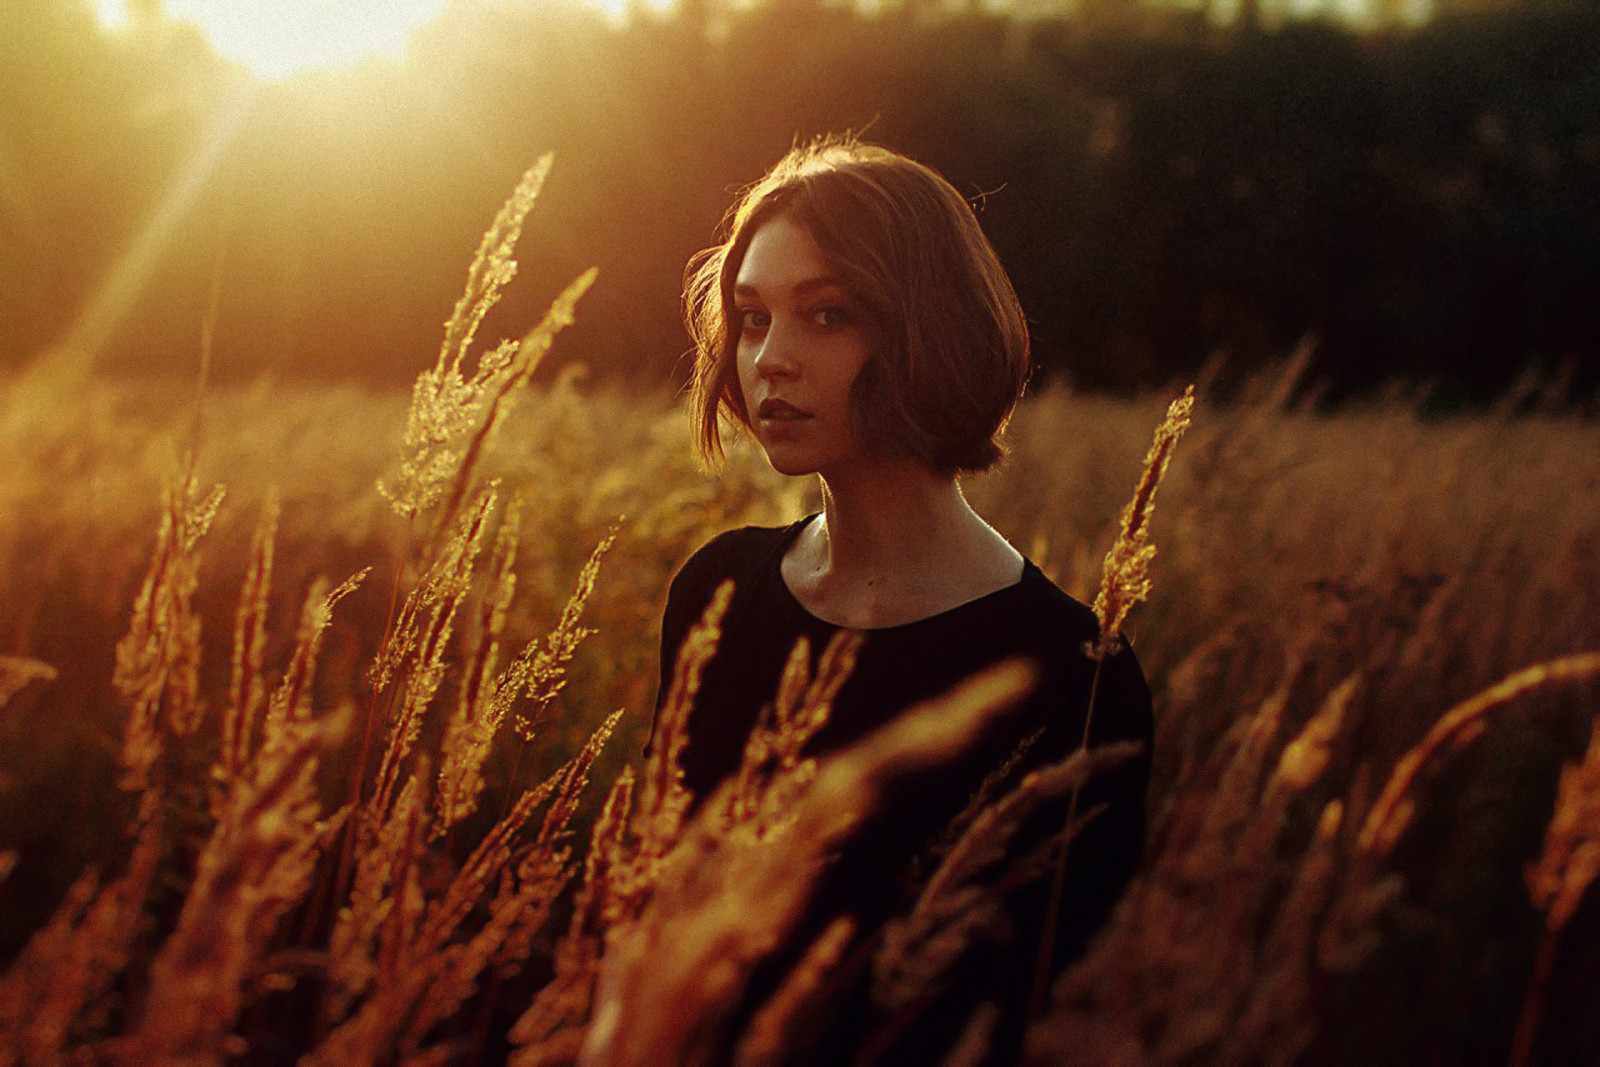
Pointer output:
451, 421
158, 661
1238, 788
498, 379
492, 268
368, 1037
257, 863
1277, 1024
973, 1044
71, 962
780, 1023
521, 906
352, 957
983, 796
757, 805
574, 779
725, 898
432, 975
552, 1029
520, 901
444, 405
1460, 726
471, 730
291, 701
437, 1056
1176, 969
755, 766
662, 801
542, 673
399, 976
1300, 765
1305, 758
453, 418
470, 885
422, 636
1571, 857
562, 1046
799, 714
960, 901
447, 578
1349, 934
539, 671
18, 672
546, 867
399, 970
772, 772
247, 692
30, 978
1558, 880
493, 854
1125, 580
423, 975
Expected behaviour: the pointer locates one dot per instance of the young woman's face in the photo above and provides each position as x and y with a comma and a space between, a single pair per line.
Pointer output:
802, 341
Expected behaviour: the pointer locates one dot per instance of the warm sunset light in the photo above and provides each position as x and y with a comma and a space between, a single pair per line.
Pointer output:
281, 38
776, 533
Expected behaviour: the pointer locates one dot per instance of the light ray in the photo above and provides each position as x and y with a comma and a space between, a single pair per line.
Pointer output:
98, 322
14, 202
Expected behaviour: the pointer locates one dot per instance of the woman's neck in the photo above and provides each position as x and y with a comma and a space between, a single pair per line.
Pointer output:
891, 518
896, 542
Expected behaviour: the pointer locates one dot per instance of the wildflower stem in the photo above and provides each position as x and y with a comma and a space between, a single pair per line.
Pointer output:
1125, 582
358, 772
516, 771
1058, 877
1528, 1023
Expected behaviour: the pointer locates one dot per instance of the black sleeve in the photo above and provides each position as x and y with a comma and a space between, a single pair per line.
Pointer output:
687, 596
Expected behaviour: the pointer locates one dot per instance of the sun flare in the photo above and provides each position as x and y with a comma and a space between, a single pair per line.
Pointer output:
277, 39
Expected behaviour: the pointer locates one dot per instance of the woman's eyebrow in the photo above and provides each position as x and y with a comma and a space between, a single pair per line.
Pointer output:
800, 288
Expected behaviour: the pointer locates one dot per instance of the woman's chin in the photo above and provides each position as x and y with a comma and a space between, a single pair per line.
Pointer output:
788, 463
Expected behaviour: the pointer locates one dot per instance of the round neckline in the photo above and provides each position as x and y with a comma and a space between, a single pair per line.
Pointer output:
776, 562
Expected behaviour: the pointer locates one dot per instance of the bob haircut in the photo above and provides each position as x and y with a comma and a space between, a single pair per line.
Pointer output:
950, 345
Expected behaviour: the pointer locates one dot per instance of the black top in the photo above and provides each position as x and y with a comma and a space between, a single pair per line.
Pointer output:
899, 666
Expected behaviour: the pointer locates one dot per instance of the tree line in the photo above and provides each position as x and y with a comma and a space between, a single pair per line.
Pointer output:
1423, 205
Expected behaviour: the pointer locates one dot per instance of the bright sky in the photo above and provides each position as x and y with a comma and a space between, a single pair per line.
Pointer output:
277, 39
281, 38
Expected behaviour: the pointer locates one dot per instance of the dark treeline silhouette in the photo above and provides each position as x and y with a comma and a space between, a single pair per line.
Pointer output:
1425, 205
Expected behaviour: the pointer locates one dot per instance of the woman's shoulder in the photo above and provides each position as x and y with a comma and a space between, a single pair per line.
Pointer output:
734, 554
746, 554
1039, 605
1063, 633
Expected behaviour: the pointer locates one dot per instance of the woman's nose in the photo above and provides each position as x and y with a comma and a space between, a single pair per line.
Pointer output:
776, 358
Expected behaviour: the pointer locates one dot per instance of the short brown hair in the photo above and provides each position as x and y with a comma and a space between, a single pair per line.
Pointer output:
951, 352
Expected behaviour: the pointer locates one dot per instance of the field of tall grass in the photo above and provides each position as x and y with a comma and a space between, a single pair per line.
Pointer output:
295, 768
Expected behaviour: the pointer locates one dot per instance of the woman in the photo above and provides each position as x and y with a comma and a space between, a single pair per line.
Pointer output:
857, 323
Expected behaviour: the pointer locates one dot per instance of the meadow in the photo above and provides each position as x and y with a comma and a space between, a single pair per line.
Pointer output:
298, 769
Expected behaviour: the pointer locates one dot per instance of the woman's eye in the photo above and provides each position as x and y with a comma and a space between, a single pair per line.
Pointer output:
750, 318
831, 316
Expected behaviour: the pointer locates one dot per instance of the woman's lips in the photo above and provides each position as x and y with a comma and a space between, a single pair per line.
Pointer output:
780, 411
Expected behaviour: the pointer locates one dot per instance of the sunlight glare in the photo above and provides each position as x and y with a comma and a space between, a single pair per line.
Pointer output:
123, 283
112, 14
281, 38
